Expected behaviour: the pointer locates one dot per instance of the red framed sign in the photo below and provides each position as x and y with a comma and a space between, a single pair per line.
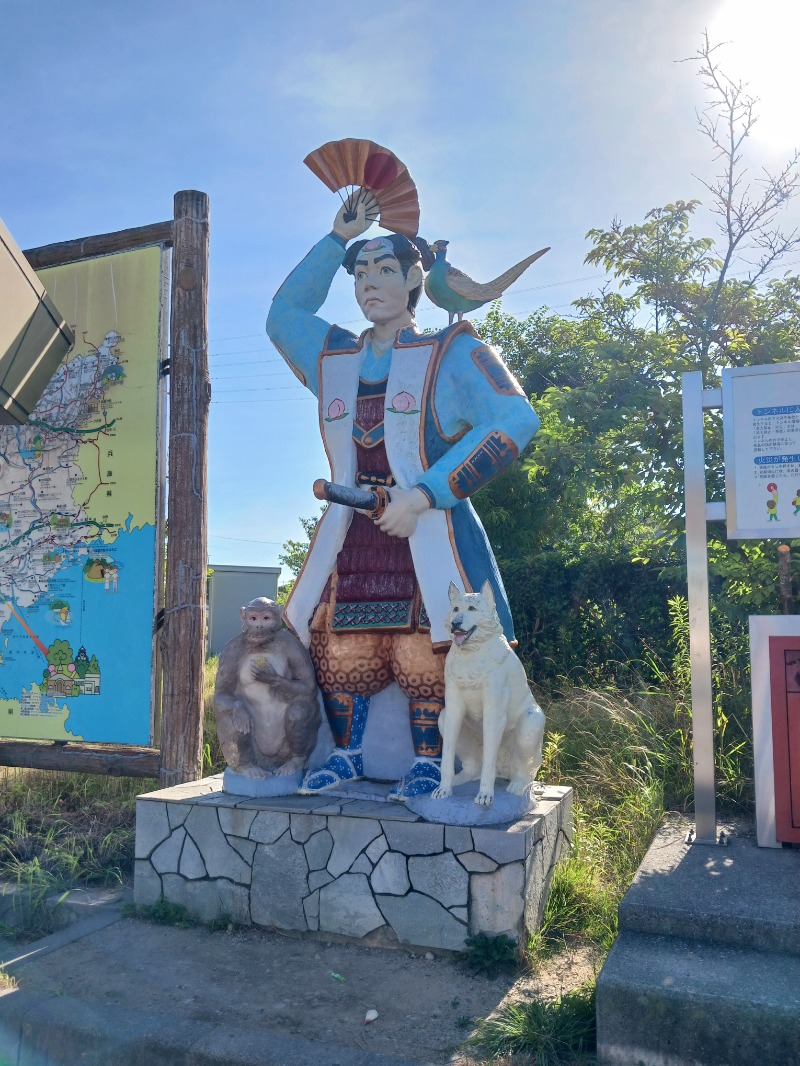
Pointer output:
784, 668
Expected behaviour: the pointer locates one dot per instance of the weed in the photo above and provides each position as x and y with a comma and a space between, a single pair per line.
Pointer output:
213, 759
7, 980
491, 954
165, 913
60, 830
549, 1033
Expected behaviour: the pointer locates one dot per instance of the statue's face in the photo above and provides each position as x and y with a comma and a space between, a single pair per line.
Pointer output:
381, 290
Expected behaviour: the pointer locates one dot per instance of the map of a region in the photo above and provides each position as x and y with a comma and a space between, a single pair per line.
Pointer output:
78, 504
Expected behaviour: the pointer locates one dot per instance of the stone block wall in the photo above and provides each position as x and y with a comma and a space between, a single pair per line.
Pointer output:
354, 868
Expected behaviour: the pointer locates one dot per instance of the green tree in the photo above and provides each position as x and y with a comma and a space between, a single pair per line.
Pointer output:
294, 555
59, 654
592, 547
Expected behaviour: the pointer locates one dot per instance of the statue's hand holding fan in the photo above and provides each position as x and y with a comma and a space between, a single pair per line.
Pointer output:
363, 172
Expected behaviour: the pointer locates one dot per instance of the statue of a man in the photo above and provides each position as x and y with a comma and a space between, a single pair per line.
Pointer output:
433, 417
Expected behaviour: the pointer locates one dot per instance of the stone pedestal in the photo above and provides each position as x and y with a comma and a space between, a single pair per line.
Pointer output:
358, 868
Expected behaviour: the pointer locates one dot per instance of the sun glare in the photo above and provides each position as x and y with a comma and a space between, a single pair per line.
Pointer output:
762, 51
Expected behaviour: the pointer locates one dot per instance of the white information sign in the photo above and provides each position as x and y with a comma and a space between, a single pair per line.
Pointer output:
761, 417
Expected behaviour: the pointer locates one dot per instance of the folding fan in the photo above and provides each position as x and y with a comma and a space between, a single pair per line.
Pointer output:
353, 164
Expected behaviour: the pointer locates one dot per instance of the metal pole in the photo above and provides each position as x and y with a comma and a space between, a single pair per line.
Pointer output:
694, 467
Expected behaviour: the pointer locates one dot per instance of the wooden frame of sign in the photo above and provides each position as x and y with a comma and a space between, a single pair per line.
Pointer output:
178, 686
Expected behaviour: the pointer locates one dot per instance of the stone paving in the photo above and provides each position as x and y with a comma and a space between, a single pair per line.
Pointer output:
363, 868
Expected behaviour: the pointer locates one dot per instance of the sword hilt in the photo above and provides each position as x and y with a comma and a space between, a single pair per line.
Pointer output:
374, 502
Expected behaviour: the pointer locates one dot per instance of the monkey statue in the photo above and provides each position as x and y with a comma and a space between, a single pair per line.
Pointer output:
265, 700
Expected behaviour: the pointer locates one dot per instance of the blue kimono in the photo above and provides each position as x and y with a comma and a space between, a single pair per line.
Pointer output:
453, 418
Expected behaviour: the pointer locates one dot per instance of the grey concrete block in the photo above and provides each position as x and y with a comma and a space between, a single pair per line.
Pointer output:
477, 863
440, 876
303, 826
461, 913
235, 822
503, 845
152, 826
209, 900
390, 876
177, 813
187, 791
268, 826
417, 838
376, 849
280, 881
537, 885
346, 907
362, 865
214, 799
350, 837
496, 901
318, 850
166, 856
221, 860
741, 894
311, 909
191, 865
318, 878
670, 1000
421, 921
457, 838
146, 884
246, 848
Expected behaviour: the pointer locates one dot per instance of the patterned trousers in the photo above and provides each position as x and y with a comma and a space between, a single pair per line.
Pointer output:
363, 664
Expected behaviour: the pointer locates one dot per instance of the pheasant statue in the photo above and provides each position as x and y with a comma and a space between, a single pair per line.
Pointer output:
456, 292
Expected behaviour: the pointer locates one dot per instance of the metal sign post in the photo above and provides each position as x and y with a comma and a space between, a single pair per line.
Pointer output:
696, 400
761, 428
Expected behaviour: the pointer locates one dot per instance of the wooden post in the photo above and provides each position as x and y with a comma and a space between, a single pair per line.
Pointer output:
183, 638
785, 578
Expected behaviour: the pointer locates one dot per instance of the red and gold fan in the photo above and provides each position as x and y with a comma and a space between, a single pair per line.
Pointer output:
353, 164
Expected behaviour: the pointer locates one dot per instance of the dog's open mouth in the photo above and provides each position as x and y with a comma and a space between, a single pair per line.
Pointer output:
461, 636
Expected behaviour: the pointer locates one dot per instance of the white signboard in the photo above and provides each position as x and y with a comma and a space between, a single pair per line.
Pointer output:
761, 409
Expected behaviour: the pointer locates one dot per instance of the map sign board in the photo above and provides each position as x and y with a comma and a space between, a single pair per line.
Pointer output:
761, 407
80, 506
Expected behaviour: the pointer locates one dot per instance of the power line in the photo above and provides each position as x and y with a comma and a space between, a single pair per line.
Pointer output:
246, 540
278, 399
239, 377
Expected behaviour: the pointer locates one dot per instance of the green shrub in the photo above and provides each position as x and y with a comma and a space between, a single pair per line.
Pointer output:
560, 1033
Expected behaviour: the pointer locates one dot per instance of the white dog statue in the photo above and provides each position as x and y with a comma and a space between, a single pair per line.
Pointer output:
490, 719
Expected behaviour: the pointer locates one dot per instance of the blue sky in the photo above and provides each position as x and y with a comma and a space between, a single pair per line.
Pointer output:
523, 123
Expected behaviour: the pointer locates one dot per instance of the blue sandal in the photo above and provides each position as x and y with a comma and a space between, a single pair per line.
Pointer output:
342, 765
424, 776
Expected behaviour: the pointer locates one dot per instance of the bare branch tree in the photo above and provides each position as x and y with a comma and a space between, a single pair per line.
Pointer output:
746, 208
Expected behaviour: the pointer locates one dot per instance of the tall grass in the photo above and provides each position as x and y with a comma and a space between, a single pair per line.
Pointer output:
59, 831
548, 1034
628, 757
213, 759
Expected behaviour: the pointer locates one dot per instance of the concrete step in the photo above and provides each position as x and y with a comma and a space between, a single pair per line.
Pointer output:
739, 894
669, 1001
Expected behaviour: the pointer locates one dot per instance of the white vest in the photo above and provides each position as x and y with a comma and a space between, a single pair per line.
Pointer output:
432, 543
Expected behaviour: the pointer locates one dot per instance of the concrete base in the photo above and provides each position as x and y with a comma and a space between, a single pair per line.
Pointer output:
706, 969
364, 869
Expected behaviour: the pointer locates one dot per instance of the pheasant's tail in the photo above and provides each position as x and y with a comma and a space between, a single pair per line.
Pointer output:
490, 290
